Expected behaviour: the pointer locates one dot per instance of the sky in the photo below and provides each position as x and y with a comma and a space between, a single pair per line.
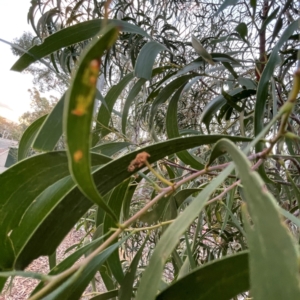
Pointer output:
14, 96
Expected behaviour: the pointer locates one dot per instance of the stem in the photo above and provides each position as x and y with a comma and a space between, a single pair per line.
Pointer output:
57, 279
131, 229
161, 178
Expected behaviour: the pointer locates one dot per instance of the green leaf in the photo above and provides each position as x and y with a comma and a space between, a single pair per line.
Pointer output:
129, 100
69, 36
156, 213
224, 58
215, 104
201, 50
126, 288
170, 238
28, 137
23, 183
71, 260
51, 130
263, 86
2, 283
289, 216
104, 113
225, 4
65, 211
90, 270
110, 149
266, 236
146, 58
230, 69
172, 130
242, 30
166, 92
269, 19
182, 195
221, 279
107, 295
115, 202
79, 114
73, 288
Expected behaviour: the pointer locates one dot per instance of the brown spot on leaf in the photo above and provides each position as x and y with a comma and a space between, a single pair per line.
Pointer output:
139, 161
77, 156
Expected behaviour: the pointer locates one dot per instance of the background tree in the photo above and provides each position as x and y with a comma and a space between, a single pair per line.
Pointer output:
10, 130
188, 91
39, 105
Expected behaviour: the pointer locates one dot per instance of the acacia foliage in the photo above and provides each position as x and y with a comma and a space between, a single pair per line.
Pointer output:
178, 85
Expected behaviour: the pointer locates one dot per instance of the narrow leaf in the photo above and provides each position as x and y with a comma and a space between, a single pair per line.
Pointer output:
69, 36
126, 289
266, 236
201, 50
225, 4
146, 58
220, 280
79, 113
28, 137
51, 130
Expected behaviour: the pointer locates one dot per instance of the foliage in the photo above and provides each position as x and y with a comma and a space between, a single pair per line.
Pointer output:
182, 151
39, 105
9, 130
43, 76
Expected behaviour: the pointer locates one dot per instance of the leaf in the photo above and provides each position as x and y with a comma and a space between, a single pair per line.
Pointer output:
126, 288
182, 195
170, 239
79, 108
2, 283
28, 137
110, 149
289, 216
130, 98
166, 92
115, 202
225, 4
156, 213
68, 208
201, 50
242, 30
224, 58
266, 236
230, 69
23, 183
146, 58
221, 279
107, 295
111, 97
263, 86
73, 288
71, 260
215, 104
269, 19
171, 236
69, 36
172, 131
51, 130
248, 83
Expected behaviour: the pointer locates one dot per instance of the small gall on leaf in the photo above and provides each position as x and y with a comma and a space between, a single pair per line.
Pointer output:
94, 65
77, 156
93, 80
78, 112
139, 161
